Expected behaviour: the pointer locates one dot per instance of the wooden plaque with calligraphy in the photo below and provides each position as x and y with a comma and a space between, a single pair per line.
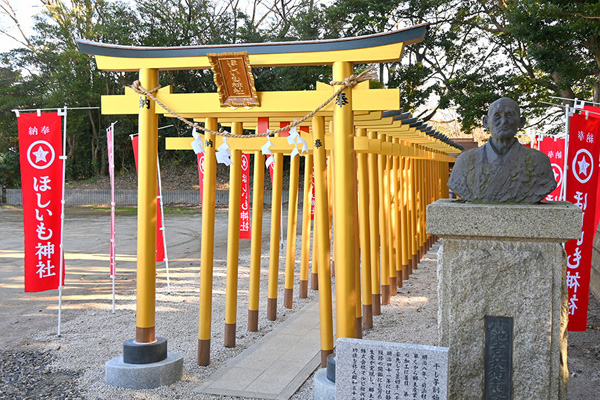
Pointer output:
234, 79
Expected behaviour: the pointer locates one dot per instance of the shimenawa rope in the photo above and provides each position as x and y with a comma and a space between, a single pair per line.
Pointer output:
349, 82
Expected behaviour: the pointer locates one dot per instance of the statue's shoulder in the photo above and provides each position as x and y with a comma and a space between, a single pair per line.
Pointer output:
535, 154
469, 155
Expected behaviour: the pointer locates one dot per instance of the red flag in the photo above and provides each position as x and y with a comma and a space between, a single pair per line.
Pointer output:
245, 199
263, 126
313, 198
582, 180
160, 246
40, 147
200, 157
555, 150
595, 113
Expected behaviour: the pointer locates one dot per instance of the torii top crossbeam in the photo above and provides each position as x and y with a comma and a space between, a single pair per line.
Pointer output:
381, 47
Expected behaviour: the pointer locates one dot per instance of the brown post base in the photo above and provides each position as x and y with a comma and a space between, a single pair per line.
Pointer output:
376, 304
288, 298
252, 320
358, 326
385, 294
324, 355
145, 335
414, 262
399, 278
314, 281
272, 309
393, 287
229, 335
367, 316
405, 271
303, 291
203, 352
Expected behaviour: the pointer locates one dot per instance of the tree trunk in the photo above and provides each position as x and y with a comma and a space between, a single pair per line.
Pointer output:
95, 143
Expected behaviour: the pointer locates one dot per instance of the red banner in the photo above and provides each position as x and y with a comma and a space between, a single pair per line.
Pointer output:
555, 150
262, 127
312, 197
160, 245
111, 173
200, 157
245, 198
595, 113
582, 180
270, 163
40, 147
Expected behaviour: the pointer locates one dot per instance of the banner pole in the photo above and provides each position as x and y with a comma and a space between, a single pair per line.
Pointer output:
162, 225
566, 165
63, 157
111, 166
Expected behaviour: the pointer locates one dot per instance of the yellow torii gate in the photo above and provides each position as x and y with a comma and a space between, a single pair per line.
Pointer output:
361, 109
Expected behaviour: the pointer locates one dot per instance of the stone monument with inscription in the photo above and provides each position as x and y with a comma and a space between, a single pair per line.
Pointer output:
501, 270
371, 370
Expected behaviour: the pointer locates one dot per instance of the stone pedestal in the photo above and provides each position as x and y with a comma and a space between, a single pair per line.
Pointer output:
504, 261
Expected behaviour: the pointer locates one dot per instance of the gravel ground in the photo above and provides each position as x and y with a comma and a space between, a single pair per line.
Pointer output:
35, 363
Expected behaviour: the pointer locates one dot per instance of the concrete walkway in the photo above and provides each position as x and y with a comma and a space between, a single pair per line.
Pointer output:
277, 365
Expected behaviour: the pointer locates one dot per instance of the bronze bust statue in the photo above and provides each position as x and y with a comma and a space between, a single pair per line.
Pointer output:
503, 170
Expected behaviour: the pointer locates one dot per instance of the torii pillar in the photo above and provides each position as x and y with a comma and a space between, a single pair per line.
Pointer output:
145, 362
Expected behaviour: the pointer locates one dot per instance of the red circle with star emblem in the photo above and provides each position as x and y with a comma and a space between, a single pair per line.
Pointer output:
558, 174
583, 165
245, 165
40, 154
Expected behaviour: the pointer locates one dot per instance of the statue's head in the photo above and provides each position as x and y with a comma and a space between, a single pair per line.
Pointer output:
504, 119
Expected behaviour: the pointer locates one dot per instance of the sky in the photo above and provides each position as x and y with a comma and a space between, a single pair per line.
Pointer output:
25, 10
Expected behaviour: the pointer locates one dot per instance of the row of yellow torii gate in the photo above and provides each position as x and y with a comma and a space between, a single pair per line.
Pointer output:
384, 168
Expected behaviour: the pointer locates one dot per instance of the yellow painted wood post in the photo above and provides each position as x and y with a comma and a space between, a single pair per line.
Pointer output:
431, 194
358, 330
233, 240
383, 225
398, 215
292, 226
258, 186
417, 180
420, 210
344, 210
314, 268
374, 211
404, 220
305, 245
330, 185
444, 172
364, 230
391, 272
395, 278
321, 240
275, 234
146, 240
207, 244
420, 201
413, 214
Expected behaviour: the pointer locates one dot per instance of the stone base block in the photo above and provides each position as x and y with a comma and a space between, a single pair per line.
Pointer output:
144, 376
504, 261
324, 389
